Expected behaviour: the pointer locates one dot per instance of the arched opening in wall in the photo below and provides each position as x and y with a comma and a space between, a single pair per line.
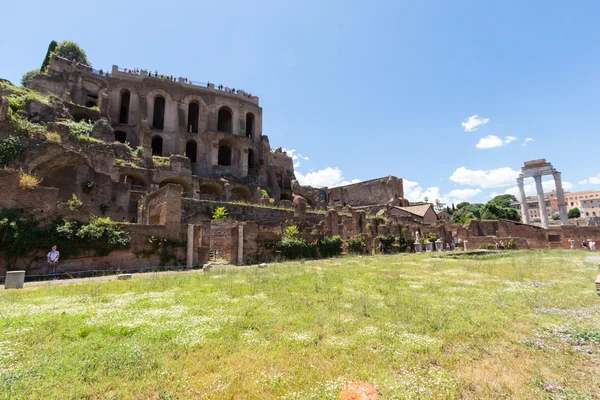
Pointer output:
224, 155
91, 104
120, 136
134, 180
178, 181
249, 125
157, 144
190, 150
210, 188
285, 196
158, 119
193, 113
225, 120
124, 110
250, 158
241, 192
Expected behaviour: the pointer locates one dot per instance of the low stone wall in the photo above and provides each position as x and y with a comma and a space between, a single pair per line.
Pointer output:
194, 211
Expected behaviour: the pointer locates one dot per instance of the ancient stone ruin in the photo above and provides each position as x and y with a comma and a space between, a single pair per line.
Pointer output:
161, 154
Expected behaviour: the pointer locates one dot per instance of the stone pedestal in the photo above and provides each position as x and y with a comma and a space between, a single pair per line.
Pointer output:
14, 280
439, 245
465, 247
418, 247
428, 247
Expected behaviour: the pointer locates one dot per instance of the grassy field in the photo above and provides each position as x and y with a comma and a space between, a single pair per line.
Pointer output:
517, 325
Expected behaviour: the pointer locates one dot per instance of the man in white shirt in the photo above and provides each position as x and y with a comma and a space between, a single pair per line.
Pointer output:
53, 259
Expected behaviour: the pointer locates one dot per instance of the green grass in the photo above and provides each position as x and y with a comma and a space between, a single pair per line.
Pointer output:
515, 325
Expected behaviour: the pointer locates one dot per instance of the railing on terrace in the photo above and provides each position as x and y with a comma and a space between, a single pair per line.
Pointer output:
197, 83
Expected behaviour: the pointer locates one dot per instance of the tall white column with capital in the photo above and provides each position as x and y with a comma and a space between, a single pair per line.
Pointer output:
524, 209
541, 200
560, 195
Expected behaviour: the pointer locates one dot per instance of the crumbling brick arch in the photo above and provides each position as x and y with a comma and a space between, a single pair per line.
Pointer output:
157, 145
241, 192
225, 120
191, 150
250, 125
158, 103
125, 100
210, 188
225, 156
134, 179
196, 113
185, 185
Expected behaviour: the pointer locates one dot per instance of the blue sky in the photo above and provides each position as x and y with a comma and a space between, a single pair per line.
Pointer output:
369, 89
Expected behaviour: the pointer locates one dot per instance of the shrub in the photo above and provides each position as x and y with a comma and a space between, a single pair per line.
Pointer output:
53, 136
74, 204
26, 128
164, 161
331, 246
21, 234
139, 152
264, 194
291, 232
387, 241
71, 51
16, 104
78, 130
295, 248
220, 213
574, 213
27, 181
27, 76
10, 149
357, 244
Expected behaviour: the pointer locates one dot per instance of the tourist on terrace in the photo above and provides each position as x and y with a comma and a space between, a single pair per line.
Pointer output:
52, 259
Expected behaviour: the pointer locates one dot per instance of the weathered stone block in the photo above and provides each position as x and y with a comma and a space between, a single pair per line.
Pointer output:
14, 280
124, 277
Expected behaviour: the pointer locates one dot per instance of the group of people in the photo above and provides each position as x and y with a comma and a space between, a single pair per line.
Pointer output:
589, 245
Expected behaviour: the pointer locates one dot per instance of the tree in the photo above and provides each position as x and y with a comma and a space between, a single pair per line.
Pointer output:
51, 49
439, 206
464, 209
27, 76
493, 211
503, 200
555, 217
462, 204
71, 51
574, 213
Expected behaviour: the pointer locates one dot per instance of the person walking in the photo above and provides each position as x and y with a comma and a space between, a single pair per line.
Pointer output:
52, 259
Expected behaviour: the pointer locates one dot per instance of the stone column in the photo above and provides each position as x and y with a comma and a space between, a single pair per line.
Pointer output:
524, 210
240, 255
541, 200
560, 195
244, 162
190, 247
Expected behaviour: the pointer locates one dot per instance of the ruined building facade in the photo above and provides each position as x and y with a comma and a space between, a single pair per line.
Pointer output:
219, 132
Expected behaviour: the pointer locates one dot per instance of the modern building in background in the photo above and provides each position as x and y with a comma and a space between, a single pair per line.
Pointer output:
588, 202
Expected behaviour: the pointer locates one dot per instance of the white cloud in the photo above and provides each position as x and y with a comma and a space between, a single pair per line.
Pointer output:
296, 157
414, 192
530, 189
594, 180
486, 179
492, 141
527, 140
463, 194
474, 122
329, 177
